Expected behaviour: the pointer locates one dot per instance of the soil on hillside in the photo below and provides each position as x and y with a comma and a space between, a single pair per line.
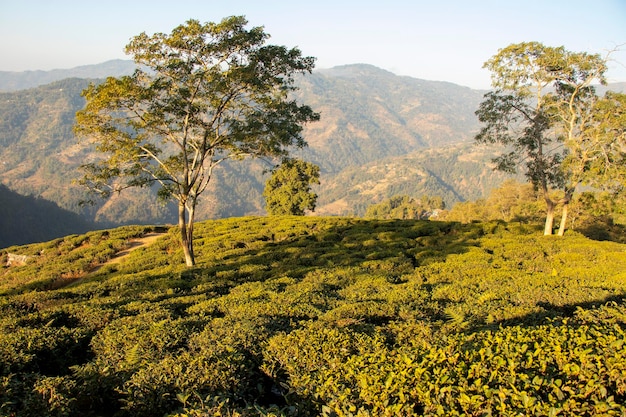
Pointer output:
145, 240
135, 243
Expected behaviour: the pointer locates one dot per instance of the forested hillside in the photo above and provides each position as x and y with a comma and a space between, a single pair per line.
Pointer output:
367, 115
312, 316
39, 153
26, 219
455, 173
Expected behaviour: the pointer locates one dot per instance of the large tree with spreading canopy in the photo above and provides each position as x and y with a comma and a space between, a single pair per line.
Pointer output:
201, 95
546, 113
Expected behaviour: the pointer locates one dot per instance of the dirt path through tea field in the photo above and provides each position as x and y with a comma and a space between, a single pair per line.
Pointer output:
136, 243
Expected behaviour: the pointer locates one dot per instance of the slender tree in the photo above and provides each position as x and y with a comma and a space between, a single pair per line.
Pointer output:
572, 108
203, 94
537, 111
595, 139
288, 191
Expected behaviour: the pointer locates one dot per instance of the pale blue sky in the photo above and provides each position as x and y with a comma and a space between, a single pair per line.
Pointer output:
445, 40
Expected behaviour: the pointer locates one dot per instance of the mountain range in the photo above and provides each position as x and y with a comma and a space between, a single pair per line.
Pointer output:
14, 81
379, 135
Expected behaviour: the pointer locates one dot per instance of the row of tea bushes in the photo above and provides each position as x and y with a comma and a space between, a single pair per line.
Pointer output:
57, 263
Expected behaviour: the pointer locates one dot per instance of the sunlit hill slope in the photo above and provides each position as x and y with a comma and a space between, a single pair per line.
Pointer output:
315, 316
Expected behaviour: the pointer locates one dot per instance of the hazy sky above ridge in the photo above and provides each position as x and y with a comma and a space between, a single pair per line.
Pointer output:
445, 40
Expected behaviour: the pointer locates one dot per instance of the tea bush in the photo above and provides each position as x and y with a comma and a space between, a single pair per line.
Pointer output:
561, 369
307, 316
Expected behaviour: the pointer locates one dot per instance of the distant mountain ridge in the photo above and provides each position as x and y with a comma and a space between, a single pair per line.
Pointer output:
369, 113
14, 81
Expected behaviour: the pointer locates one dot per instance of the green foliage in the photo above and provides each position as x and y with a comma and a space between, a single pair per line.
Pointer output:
405, 207
305, 316
564, 368
62, 261
597, 156
203, 94
597, 215
546, 116
511, 201
288, 191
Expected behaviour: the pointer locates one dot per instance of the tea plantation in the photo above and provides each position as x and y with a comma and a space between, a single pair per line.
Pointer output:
310, 316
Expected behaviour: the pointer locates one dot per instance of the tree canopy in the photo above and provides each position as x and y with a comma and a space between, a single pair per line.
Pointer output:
597, 148
546, 113
405, 207
288, 191
203, 94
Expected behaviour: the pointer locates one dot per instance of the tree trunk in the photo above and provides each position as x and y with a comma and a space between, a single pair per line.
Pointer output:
191, 212
566, 200
563, 218
186, 233
547, 230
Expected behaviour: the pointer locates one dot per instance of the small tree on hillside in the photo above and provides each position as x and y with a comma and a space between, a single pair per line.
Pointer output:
203, 94
288, 191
